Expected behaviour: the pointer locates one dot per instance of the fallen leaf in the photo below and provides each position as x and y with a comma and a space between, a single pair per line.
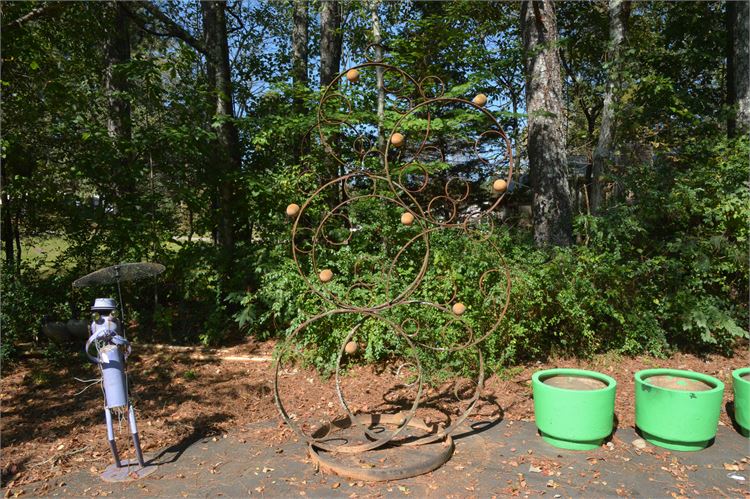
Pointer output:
521, 481
639, 443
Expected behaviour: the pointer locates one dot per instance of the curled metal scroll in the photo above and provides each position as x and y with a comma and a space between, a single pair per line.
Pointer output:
403, 173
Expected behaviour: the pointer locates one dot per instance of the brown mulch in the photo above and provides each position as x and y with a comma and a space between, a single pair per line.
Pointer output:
182, 395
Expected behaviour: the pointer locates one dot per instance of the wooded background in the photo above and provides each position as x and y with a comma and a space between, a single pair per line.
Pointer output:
175, 132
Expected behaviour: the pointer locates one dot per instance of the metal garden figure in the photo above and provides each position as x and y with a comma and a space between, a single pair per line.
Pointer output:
111, 351
108, 347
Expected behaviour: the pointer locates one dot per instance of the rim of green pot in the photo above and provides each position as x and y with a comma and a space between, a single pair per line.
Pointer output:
540, 376
738, 373
643, 375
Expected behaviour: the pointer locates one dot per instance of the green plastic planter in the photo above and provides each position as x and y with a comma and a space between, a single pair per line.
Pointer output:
573, 419
742, 399
677, 419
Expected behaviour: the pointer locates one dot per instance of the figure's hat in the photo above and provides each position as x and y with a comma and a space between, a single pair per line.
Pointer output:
104, 304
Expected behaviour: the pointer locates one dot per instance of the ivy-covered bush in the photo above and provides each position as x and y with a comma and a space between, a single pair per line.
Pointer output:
666, 270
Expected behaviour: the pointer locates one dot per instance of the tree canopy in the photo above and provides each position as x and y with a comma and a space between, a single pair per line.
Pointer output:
178, 132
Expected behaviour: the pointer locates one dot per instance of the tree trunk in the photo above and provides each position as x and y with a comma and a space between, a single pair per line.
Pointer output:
299, 49
738, 67
619, 11
552, 214
119, 124
17, 237
330, 61
299, 68
228, 155
377, 39
6, 225
330, 41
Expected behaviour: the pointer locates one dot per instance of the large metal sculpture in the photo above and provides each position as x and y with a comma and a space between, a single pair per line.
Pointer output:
108, 347
406, 171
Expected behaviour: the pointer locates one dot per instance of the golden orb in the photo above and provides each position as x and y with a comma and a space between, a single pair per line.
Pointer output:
292, 210
325, 275
397, 139
352, 75
459, 308
480, 100
351, 347
499, 185
407, 218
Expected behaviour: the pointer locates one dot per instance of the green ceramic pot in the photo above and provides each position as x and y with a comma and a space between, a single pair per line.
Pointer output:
576, 419
742, 399
683, 416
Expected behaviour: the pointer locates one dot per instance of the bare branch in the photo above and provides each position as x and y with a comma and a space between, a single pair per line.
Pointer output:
171, 27
42, 10
141, 22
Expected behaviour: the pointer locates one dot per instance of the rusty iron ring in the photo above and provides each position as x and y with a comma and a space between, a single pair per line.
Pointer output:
318, 441
327, 464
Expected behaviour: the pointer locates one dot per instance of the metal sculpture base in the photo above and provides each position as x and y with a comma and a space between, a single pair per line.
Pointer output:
403, 458
128, 472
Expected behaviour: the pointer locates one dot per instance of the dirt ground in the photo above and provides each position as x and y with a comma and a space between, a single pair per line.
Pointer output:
51, 427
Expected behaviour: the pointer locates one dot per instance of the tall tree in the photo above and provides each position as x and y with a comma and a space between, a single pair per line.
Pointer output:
7, 229
214, 46
119, 126
377, 40
330, 41
552, 214
619, 12
738, 66
228, 154
300, 38
299, 47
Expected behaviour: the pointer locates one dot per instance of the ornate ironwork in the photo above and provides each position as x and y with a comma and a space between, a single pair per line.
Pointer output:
402, 173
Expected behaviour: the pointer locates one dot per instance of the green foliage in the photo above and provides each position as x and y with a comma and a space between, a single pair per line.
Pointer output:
26, 299
665, 267
668, 270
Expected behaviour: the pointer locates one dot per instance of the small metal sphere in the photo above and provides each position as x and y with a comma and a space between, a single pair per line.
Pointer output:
480, 100
351, 347
397, 139
292, 210
325, 275
352, 75
459, 308
407, 218
499, 185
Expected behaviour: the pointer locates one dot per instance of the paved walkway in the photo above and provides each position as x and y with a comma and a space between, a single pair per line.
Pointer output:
501, 459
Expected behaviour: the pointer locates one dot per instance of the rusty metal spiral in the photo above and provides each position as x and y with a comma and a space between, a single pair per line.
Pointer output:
403, 173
